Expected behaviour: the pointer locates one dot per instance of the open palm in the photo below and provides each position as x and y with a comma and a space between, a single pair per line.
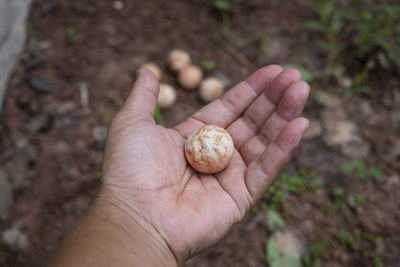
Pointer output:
146, 170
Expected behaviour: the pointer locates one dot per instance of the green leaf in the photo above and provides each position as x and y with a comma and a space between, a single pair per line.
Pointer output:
375, 172
345, 169
208, 64
378, 262
344, 237
273, 220
307, 75
315, 26
106, 117
223, 5
71, 34
318, 248
358, 198
158, 117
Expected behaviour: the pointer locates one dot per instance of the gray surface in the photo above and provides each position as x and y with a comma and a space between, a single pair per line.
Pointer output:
6, 195
13, 14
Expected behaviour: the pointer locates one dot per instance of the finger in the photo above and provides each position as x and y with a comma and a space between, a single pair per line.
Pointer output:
231, 180
255, 116
290, 107
231, 105
262, 171
142, 100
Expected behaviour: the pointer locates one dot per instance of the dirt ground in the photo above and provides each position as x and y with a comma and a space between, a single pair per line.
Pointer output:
52, 135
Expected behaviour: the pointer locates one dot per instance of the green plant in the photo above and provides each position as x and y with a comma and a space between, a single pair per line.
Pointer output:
355, 30
273, 220
360, 170
358, 84
106, 117
374, 27
306, 74
328, 25
375, 238
378, 262
345, 237
208, 64
71, 34
315, 251
325, 210
339, 196
97, 175
318, 248
303, 181
158, 117
225, 8
1, 251
358, 198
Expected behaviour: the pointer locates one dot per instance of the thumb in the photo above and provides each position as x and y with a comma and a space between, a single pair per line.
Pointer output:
142, 100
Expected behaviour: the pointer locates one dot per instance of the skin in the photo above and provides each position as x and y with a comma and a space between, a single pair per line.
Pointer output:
153, 209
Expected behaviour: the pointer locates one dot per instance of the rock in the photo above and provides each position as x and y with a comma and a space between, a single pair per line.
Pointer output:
84, 92
13, 15
291, 242
60, 107
383, 60
17, 171
346, 82
326, 99
100, 133
225, 79
343, 133
276, 50
15, 239
118, 5
340, 132
314, 130
38, 123
6, 195
392, 182
38, 84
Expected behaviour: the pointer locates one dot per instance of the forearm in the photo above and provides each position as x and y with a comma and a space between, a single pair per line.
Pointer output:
108, 236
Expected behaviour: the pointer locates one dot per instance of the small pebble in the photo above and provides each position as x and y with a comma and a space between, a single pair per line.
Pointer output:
118, 5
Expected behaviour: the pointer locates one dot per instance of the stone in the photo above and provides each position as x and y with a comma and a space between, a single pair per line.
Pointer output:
291, 242
6, 195
100, 133
20, 170
314, 130
118, 5
340, 132
38, 84
15, 239
13, 15
286, 247
343, 133
326, 99
224, 78
38, 123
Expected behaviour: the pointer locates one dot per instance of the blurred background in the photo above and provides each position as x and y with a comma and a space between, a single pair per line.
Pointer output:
337, 203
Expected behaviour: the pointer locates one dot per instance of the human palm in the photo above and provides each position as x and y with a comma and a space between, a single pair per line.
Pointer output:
145, 167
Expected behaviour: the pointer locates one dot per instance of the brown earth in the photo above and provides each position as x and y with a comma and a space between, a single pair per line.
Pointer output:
55, 140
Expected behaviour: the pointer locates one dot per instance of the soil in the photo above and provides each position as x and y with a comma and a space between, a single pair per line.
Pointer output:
77, 46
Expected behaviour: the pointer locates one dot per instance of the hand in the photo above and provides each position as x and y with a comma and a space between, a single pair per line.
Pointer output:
145, 172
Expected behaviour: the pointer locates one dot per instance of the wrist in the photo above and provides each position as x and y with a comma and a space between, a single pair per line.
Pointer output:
108, 235
141, 242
